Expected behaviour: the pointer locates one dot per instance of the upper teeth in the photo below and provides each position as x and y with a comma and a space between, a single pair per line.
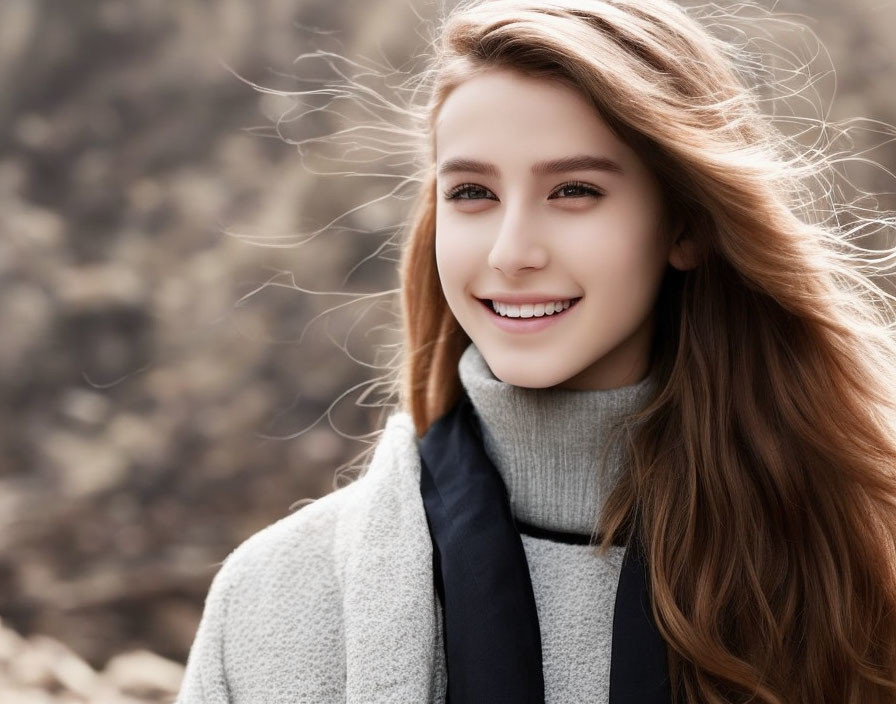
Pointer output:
529, 310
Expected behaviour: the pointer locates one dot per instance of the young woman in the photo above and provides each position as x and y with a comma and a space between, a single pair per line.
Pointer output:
645, 445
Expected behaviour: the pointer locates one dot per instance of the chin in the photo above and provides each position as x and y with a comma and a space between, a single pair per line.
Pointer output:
527, 378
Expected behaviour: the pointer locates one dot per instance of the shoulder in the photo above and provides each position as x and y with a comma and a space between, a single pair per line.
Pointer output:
289, 547
282, 595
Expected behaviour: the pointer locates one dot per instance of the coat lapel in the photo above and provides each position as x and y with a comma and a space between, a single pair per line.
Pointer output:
384, 581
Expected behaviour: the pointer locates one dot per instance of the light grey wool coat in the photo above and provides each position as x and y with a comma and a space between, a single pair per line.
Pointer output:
332, 603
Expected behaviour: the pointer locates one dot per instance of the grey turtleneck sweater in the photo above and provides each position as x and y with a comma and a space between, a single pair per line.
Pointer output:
546, 443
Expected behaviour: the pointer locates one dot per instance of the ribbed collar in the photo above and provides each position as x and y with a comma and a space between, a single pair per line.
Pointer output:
546, 443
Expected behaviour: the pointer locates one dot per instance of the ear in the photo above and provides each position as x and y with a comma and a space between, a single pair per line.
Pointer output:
683, 251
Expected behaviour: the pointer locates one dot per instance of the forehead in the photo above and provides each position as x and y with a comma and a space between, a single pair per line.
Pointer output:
504, 112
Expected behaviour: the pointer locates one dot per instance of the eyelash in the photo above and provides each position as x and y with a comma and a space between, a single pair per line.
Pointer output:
453, 193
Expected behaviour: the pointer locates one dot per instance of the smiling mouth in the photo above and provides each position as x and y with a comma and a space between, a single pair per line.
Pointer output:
489, 305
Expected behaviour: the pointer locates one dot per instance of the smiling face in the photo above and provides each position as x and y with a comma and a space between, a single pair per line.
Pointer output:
591, 231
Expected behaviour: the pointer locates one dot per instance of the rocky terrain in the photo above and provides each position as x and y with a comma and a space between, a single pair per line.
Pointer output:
41, 669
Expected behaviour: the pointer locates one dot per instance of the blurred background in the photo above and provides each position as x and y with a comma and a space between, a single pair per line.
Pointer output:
167, 385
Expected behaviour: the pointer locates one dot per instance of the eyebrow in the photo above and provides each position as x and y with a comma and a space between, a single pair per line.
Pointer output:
579, 162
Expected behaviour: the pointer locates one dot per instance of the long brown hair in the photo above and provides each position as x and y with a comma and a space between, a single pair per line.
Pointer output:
763, 473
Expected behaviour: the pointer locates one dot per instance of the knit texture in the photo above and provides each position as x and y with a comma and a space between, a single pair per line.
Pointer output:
336, 602
546, 443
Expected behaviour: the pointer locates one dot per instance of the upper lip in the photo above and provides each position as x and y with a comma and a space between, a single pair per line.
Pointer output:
521, 298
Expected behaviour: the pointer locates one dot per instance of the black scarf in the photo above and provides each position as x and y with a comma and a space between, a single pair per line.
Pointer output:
492, 635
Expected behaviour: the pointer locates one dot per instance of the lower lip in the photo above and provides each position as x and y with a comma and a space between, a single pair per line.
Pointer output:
532, 324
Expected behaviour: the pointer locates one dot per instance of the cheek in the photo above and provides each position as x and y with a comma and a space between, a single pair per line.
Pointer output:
623, 256
452, 259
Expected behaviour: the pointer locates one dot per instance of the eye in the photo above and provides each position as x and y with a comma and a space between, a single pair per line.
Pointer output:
462, 191
578, 186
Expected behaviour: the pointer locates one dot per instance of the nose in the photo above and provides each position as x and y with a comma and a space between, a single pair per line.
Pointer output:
515, 248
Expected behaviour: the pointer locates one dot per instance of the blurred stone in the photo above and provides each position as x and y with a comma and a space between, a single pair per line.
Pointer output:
198, 196
26, 695
29, 667
176, 620
274, 106
42, 670
135, 437
18, 23
319, 447
145, 195
26, 316
115, 16
66, 668
91, 169
33, 130
171, 297
82, 466
87, 408
131, 541
38, 579
34, 229
143, 673
10, 643
12, 177
99, 286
